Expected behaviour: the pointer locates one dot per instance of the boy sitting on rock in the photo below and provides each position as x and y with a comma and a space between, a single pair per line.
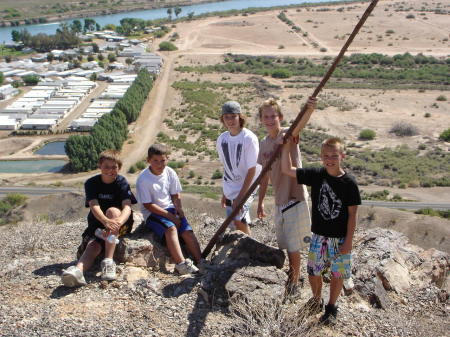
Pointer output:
158, 192
109, 198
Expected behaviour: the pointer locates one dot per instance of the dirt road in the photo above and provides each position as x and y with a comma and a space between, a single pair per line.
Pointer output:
143, 132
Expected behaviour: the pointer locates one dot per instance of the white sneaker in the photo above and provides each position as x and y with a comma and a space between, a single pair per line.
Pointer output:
186, 267
108, 270
73, 277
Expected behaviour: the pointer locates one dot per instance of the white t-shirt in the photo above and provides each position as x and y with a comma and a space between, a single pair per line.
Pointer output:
157, 189
238, 154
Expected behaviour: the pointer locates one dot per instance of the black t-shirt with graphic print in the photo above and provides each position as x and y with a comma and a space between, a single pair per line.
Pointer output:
330, 197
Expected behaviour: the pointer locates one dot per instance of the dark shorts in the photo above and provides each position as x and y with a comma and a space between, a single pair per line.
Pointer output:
159, 224
89, 234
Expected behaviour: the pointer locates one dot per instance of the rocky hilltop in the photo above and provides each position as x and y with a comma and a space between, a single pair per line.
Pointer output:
400, 289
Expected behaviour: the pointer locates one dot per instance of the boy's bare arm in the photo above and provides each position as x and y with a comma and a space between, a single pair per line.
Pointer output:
161, 211
126, 211
177, 203
261, 195
111, 224
310, 106
286, 162
346, 247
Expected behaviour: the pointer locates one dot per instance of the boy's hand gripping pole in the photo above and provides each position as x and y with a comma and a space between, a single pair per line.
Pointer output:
300, 117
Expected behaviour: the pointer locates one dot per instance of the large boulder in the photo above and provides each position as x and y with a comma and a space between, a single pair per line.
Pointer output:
143, 249
385, 258
241, 267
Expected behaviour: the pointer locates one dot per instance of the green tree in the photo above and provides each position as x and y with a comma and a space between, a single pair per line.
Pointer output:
177, 11
129, 61
15, 35
190, 15
169, 13
111, 57
50, 57
2, 78
89, 25
76, 26
167, 46
95, 48
30, 79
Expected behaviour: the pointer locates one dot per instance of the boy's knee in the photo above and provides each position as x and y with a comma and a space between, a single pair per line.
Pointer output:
94, 246
171, 230
113, 212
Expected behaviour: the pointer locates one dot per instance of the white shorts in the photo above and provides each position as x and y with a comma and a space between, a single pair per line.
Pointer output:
293, 226
244, 214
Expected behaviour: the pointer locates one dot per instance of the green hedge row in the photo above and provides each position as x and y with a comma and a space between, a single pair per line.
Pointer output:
112, 129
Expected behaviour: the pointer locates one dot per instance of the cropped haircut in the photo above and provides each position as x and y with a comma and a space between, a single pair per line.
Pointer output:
334, 142
158, 150
272, 103
242, 120
112, 155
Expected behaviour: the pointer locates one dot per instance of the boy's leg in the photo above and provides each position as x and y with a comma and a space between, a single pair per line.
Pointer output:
335, 289
294, 267
317, 260
173, 244
243, 227
111, 213
192, 245
316, 286
92, 250
291, 221
340, 269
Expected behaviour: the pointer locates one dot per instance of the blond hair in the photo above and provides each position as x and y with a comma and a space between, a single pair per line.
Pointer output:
335, 143
112, 155
271, 103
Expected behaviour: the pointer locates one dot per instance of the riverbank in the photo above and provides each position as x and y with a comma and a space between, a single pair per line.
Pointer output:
42, 17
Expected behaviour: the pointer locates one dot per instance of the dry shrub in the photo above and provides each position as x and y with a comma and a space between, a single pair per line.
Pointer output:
270, 319
403, 129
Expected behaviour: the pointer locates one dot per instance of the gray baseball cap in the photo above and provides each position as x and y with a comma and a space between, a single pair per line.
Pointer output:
231, 107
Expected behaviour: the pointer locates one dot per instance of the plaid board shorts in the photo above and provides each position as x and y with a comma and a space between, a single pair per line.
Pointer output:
324, 257
293, 226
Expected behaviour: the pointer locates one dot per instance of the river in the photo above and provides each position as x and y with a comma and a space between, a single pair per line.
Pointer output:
151, 14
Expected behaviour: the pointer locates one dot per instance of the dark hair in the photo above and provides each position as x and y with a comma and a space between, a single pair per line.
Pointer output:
241, 120
271, 102
158, 150
112, 155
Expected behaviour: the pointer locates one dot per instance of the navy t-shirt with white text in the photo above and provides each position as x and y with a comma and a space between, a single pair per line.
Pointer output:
108, 195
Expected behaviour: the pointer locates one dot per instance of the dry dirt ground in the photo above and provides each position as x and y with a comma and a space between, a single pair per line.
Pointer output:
143, 302
205, 41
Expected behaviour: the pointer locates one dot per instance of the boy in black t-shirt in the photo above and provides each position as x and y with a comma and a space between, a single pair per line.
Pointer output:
109, 198
335, 199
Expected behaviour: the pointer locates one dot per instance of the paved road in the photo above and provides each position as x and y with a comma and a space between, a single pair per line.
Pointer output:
38, 191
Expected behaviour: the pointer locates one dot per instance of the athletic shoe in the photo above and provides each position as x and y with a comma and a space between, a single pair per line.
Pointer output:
314, 306
108, 270
292, 293
73, 277
186, 267
348, 286
330, 315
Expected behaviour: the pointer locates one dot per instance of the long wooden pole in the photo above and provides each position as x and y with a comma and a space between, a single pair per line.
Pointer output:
300, 116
